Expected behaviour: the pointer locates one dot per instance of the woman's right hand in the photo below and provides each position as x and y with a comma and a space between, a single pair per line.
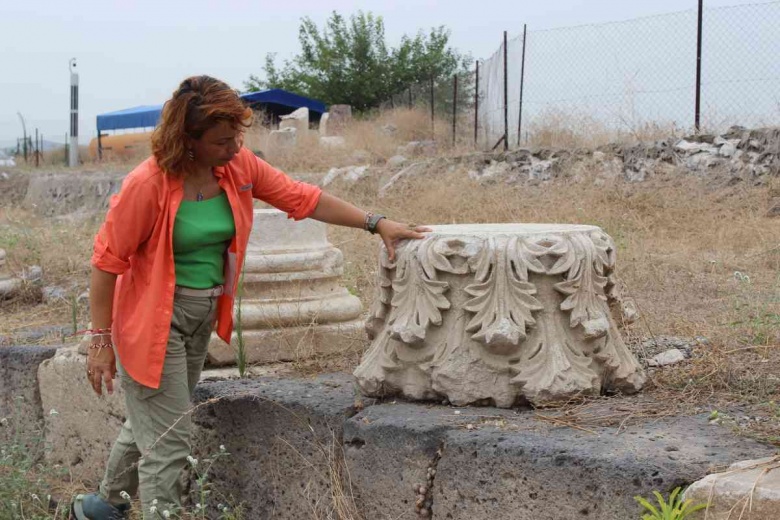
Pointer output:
101, 368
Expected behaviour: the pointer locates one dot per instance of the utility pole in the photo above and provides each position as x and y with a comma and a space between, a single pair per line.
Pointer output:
73, 157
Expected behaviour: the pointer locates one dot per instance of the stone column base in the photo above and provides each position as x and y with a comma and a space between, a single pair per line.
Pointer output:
290, 343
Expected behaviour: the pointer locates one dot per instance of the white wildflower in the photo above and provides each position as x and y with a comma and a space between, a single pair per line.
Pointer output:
154, 502
34, 496
166, 513
53, 412
222, 448
125, 495
192, 460
197, 506
153, 509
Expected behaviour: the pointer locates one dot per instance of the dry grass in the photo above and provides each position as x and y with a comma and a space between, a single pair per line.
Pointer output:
680, 242
370, 140
680, 239
574, 128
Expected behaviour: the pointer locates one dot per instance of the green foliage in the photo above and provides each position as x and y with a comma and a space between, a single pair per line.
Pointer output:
349, 62
675, 509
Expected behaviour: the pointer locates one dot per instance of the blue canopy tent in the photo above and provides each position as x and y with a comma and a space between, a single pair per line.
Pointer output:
275, 102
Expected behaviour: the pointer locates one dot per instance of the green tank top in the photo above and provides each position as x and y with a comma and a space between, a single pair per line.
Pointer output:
201, 233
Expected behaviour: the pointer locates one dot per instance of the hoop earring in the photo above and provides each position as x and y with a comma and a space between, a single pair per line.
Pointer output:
190, 155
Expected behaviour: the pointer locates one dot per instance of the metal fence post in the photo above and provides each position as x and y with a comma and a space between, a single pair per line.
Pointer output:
37, 150
522, 84
506, 96
697, 117
476, 107
454, 107
433, 113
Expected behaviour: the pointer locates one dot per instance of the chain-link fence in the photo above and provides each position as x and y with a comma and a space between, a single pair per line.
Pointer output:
449, 101
636, 78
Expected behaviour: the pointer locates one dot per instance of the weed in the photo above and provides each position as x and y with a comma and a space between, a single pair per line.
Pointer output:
674, 509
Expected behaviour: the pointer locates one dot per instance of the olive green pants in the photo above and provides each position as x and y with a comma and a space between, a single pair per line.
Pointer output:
154, 442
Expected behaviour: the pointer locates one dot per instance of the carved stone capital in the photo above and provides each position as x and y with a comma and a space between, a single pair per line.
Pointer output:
502, 313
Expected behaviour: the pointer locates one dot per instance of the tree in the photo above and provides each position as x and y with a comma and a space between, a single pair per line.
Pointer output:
349, 62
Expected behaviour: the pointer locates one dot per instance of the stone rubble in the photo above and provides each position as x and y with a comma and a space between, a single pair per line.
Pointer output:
749, 490
299, 120
668, 357
348, 173
9, 284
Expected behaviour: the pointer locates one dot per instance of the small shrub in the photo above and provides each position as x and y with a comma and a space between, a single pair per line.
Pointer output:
675, 509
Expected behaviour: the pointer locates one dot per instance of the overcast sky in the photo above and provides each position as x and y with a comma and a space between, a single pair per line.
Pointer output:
136, 52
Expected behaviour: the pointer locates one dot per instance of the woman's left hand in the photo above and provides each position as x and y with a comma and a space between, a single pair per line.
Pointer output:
391, 232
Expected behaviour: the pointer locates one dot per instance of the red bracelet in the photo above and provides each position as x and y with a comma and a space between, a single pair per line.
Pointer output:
93, 332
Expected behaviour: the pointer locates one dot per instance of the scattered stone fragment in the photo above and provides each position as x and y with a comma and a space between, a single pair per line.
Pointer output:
669, 357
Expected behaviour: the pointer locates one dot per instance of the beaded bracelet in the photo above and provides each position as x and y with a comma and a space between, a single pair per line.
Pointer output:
101, 346
93, 332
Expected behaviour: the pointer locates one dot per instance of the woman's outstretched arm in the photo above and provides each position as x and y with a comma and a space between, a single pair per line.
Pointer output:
332, 210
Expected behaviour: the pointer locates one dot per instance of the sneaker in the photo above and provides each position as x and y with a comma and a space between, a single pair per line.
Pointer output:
92, 507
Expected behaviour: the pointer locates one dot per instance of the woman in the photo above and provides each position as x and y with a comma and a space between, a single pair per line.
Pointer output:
165, 270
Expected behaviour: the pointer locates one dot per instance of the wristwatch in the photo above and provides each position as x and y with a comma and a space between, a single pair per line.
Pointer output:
372, 219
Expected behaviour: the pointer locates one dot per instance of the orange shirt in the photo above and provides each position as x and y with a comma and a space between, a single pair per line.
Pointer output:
136, 242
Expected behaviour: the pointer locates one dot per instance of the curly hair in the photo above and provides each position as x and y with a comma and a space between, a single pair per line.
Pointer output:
198, 104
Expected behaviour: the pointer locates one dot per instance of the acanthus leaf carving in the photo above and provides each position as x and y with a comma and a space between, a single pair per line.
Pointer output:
503, 300
418, 297
585, 284
552, 368
381, 305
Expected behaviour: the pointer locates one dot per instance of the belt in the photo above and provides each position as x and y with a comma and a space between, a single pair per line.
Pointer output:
201, 293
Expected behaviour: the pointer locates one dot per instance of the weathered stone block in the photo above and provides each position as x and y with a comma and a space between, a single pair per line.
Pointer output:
324, 124
340, 116
80, 435
492, 463
20, 398
9, 284
54, 194
282, 139
299, 120
403, 440
284, 440
749, 490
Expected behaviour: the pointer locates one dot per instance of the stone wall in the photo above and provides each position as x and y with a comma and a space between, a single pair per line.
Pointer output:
305, 447
20, 396
52, 194
737, 155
